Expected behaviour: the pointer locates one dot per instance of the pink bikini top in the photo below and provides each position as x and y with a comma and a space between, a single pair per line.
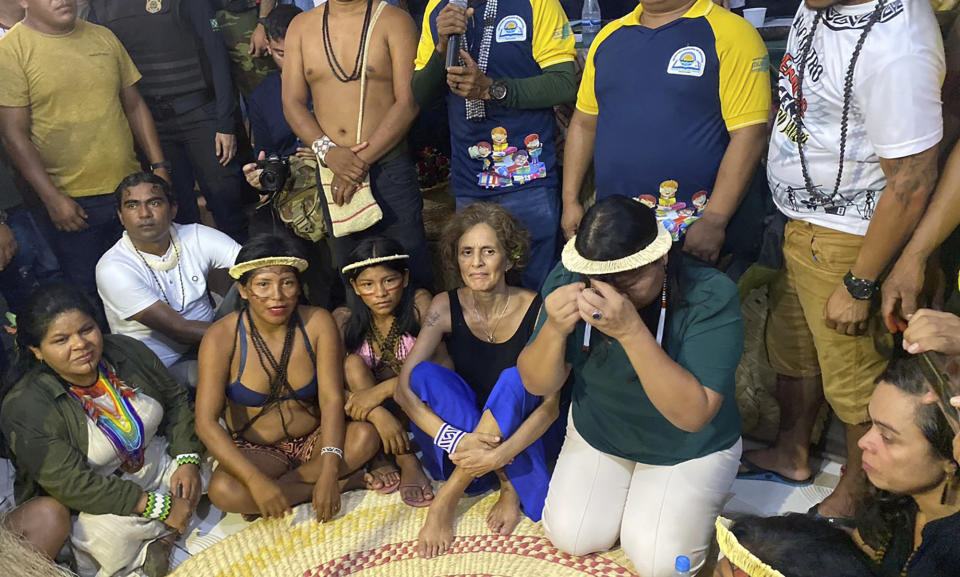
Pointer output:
403, 349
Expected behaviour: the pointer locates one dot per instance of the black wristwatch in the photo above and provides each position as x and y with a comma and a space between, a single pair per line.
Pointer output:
860, 289
498, 91
162, 164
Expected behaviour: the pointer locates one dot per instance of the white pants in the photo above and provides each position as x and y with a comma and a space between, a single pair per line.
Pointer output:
658, 512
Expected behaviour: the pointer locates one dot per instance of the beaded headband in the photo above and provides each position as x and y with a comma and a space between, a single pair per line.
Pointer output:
574, 262
738, 554
372, 261
298, 263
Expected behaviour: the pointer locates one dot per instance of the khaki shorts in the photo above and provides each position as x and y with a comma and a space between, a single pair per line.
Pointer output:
799, 344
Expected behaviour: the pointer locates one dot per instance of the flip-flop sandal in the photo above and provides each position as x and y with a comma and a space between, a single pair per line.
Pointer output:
756, 473
838, 522
421, 502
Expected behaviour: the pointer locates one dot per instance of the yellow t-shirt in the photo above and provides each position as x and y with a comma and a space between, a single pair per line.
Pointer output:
72, 83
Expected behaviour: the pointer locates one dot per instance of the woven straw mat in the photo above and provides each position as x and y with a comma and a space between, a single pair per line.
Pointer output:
376, 536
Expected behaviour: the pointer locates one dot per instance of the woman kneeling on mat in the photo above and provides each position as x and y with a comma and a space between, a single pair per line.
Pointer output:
277, 366
385, 316
97, 423
653, 440
485, 324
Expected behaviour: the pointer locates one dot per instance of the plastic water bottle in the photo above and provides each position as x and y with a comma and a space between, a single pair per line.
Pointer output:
681, 566
590, 21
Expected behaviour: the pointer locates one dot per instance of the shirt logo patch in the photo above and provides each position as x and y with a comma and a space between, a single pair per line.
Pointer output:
563, 32
761, 64
512, 29
688, 61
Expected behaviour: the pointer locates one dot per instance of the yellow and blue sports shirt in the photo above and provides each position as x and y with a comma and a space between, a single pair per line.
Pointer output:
666, 100
511, 147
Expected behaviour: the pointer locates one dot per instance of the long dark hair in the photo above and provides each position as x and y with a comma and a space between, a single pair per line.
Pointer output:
405, 317
42, 308
882, 514
799, 546
265, 246
618, 226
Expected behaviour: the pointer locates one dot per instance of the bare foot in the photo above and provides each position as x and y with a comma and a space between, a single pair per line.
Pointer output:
794, 467
384, 477
353, 481
505, 515
415, 487
436, 536
842, 502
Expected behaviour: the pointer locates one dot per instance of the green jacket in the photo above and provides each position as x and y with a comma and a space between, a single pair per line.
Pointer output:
47, 431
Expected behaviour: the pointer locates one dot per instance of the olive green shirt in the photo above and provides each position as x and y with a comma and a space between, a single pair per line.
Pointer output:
703, 334
47, 431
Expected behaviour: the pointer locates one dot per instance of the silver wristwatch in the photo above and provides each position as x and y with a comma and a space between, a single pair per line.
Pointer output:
320, 147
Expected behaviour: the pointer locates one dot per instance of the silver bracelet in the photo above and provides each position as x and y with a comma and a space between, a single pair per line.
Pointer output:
334, 450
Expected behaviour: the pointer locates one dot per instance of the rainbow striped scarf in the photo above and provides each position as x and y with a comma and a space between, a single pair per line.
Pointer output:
115, 416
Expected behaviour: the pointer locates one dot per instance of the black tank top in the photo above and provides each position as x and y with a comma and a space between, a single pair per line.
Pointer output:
478, 361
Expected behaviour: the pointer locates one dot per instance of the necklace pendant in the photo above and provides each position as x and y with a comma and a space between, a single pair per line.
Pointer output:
490, 339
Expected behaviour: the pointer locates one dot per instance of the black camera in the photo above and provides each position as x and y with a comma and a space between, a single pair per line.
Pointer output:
276, 170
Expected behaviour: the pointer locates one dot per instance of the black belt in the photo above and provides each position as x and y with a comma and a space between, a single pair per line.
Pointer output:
165, 108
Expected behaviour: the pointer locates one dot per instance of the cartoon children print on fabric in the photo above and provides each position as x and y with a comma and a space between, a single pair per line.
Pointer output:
503, 165
676, 216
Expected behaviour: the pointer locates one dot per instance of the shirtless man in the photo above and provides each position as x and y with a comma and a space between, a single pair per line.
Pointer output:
388, 113
328, 67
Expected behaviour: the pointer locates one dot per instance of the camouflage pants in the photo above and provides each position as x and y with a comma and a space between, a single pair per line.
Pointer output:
247, 71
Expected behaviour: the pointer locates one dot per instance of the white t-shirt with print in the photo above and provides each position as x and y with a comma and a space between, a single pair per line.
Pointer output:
127, 286
895, 108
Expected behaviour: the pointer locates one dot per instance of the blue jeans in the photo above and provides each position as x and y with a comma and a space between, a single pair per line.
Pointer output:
79, 251
34, 263
538, 208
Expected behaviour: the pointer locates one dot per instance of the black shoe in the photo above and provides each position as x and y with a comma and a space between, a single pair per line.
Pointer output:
844, 523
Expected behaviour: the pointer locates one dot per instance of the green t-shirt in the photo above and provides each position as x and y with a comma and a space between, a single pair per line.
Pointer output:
704, 334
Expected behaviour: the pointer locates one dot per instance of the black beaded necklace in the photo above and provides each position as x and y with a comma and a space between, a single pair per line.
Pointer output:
388, 347
847, 95
335, 66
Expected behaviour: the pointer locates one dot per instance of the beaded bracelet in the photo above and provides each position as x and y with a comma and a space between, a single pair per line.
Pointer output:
448, 438
188, 459
336, 451
158, 506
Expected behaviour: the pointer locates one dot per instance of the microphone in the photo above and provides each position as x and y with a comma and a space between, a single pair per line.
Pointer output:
453, 44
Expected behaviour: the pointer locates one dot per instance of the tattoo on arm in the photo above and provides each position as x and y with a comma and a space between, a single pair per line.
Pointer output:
432, 319
912, 174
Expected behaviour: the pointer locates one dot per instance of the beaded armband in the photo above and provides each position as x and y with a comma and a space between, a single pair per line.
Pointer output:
188, 459
335, 450
158, 506
448, 438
